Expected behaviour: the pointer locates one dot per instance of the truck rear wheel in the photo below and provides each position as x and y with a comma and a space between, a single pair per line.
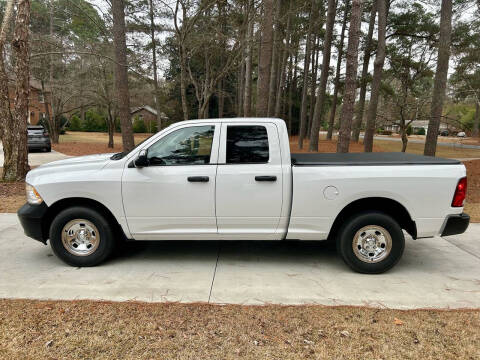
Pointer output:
81, 236
371, 242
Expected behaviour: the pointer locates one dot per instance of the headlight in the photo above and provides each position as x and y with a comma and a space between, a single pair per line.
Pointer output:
33, 197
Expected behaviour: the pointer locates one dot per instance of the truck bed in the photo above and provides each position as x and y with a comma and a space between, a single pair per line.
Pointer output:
368, 159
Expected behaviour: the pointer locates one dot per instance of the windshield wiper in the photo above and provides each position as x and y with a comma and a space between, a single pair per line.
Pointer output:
118, 156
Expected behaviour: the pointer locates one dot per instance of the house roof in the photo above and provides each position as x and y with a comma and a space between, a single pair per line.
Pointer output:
149, 109
34, 83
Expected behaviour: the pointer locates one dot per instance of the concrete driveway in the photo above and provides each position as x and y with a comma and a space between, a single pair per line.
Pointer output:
439, 272
38, 158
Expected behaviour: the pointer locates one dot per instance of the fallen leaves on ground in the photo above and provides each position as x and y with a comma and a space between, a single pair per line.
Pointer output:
130, 330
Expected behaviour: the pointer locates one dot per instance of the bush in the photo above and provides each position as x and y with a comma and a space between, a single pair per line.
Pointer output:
94, 121
420, 131
75, 123
139, 125
409, 130
385, 132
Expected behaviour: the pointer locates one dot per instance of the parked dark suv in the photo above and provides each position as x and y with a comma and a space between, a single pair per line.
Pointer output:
38, 138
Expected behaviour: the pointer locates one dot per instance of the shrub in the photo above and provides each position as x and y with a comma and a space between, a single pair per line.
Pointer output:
139, 125
409, 130
75, 123
385, 132
94, 121
420, 131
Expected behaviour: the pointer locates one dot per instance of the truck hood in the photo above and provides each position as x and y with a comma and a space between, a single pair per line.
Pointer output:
97, 159
72, 166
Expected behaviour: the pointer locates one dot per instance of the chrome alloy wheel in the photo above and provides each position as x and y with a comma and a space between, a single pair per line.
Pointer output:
80, 237
372, 243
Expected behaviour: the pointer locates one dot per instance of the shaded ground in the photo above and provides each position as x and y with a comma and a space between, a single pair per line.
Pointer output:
86, 329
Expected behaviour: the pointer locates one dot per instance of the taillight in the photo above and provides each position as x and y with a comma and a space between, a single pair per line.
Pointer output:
45, 133
460, 193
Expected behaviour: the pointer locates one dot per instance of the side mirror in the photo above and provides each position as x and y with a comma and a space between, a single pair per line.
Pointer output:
142, 159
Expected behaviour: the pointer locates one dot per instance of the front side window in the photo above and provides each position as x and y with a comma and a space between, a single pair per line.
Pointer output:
187, 146
247, 145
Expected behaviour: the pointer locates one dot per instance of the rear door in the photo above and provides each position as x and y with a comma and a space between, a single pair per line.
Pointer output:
249, 182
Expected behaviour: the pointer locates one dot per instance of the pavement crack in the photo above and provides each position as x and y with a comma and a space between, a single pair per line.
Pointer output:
214, 272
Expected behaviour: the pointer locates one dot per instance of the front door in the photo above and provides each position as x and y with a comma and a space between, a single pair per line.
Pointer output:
249, 182
174, 196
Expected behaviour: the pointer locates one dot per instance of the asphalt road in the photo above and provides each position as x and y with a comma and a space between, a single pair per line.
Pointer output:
433, 273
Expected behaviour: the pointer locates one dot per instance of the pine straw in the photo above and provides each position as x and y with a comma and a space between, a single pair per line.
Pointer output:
106, 330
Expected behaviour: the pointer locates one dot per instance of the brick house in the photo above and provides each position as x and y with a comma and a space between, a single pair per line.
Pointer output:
147, 114
36, 104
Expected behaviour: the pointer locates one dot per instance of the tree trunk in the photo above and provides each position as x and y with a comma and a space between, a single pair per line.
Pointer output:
247, 98
111, 127
183, 82
313, 83
47, 109
476, 124
52, 119
290, 90
377, 76
221, 99
440, 78
5, 111
121, 74
14, 139
265, 60
276, 53
154, 64
346, 116
306, 67
363, 80
281, 83
283, 69
322, 87
331, 120
404, 135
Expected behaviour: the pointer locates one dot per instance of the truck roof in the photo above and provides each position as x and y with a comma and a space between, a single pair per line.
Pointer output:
234, 120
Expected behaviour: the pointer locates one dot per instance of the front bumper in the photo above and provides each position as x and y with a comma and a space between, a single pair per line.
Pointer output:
456, 224
31, 217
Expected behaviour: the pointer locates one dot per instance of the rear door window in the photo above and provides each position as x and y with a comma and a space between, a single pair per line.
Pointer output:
247, 144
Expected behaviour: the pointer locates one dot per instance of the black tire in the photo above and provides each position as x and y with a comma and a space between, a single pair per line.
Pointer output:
48, 149
350, 228
106, 241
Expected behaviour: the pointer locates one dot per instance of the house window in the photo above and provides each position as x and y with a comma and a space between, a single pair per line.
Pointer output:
41, 97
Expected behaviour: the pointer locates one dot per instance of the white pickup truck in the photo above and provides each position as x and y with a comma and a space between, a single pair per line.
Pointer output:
235, 179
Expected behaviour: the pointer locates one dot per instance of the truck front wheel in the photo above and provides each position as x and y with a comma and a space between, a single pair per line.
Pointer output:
81, 236
371, 242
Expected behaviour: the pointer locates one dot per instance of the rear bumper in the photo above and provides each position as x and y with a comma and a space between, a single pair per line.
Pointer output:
456, 224
31, 218
39, 144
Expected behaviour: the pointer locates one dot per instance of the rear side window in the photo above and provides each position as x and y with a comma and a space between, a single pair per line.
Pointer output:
247, 145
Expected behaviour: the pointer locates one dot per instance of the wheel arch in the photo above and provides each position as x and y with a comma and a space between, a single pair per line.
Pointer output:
57, 207
386, 205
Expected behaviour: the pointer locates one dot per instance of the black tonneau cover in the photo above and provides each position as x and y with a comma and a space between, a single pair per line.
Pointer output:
368, 159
